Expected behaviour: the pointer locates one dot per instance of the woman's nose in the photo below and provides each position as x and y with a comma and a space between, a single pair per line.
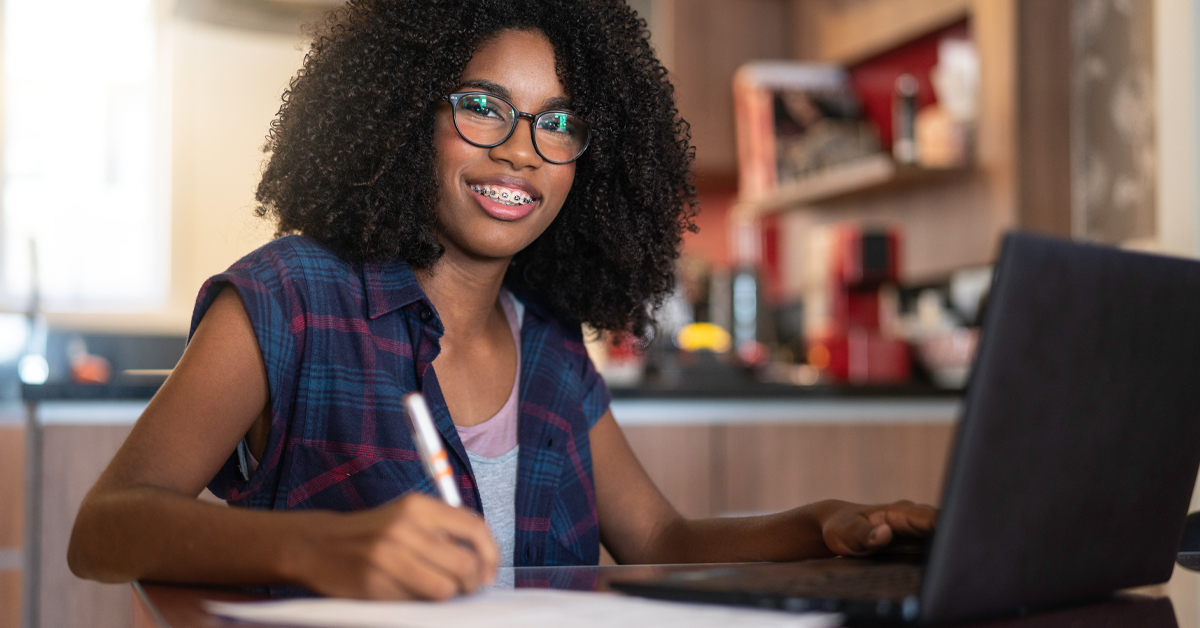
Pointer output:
518, 150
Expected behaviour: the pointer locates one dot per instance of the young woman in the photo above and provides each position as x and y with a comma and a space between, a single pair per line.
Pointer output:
466, 182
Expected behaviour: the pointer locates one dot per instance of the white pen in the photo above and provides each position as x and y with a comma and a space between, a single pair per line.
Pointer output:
429, 445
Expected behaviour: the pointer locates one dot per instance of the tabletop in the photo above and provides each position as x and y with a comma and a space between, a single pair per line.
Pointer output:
1175, 604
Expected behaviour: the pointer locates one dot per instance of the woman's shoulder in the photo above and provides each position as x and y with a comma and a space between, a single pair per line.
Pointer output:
297, 263
292, 253
294, 274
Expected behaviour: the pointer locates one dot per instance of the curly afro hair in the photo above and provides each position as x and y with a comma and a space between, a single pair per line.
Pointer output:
352, 158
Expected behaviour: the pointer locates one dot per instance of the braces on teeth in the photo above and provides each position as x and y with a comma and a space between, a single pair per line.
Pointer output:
506, 198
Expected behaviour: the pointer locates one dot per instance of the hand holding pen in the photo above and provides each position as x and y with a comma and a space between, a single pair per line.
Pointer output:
414, 547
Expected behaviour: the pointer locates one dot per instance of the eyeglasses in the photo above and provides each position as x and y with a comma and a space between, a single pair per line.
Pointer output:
486, 121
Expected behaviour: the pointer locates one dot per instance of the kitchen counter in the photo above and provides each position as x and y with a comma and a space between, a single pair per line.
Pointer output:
628, 412
765, 404
709, 454
631, 412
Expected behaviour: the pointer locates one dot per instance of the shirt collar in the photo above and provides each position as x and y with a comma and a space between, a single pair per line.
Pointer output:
391, 286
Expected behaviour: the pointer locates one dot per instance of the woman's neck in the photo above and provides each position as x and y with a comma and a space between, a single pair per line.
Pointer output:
464, 292
477, 363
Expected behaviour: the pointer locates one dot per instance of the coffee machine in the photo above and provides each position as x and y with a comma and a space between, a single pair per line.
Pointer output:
851, 305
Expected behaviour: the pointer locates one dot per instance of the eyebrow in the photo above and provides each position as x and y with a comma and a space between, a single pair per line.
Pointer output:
557, 102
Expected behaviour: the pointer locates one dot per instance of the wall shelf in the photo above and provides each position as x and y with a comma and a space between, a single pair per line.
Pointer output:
868, 175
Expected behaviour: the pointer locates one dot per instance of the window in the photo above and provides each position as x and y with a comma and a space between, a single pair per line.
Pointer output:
83, 171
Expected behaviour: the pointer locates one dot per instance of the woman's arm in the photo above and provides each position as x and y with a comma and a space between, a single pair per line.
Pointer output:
142, 519
638, 525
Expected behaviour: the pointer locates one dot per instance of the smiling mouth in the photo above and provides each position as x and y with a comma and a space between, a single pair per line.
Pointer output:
503, 195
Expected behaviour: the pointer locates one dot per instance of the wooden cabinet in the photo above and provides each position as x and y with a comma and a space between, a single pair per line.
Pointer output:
774, 467
714, 470
73, 458
12, 513
720, 470
76, 447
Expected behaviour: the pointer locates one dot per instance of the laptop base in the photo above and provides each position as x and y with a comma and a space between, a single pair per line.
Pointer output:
864, 590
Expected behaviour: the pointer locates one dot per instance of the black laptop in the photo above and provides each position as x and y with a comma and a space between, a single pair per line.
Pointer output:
1074, 461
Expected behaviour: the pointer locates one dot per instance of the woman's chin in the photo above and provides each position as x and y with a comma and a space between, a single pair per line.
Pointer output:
489, 247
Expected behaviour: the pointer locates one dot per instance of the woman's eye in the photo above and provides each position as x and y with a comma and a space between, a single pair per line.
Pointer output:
481, 106
557, 123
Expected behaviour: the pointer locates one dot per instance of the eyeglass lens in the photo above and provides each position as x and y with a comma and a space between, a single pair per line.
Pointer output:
488, 120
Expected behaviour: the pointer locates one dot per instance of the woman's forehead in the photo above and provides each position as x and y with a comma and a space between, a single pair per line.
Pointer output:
519, 65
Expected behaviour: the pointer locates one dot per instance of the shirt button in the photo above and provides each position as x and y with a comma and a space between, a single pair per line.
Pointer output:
426, 315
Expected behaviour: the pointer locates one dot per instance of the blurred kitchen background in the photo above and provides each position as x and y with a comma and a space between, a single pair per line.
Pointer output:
856, 161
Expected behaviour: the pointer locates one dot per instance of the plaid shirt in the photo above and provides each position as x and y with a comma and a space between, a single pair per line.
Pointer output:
342, 343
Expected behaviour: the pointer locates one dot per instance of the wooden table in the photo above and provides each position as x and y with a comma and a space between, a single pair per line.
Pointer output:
1168, 606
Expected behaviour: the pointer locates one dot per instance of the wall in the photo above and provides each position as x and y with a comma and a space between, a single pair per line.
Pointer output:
1177, 58
225, 86
227, 89
1177, 61
710, 39
851, 31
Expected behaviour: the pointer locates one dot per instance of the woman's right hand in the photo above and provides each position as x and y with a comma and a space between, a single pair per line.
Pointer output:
416, 547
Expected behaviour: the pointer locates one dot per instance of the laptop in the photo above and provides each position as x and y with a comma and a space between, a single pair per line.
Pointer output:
1073, 463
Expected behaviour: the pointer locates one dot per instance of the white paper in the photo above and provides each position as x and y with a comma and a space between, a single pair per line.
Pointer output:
516, 608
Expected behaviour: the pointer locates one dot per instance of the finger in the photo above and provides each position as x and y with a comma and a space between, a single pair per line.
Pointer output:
909, 519
379, 585
373, 584
460, 524
437, 518
855, 535
414, 577
450, 557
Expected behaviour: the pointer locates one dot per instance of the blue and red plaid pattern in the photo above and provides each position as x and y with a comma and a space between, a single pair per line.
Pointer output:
342, 343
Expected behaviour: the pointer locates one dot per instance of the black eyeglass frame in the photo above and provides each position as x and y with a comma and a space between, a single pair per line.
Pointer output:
454, 98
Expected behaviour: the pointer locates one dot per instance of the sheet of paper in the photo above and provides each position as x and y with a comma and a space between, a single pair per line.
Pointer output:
515, 608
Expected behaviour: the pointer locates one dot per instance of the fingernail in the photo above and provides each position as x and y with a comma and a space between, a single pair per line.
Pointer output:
874, 535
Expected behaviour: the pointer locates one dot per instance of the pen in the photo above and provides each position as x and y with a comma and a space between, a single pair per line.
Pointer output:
433, 455
429, 445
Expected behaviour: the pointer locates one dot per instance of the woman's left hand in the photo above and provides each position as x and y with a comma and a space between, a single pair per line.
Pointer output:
856, 530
